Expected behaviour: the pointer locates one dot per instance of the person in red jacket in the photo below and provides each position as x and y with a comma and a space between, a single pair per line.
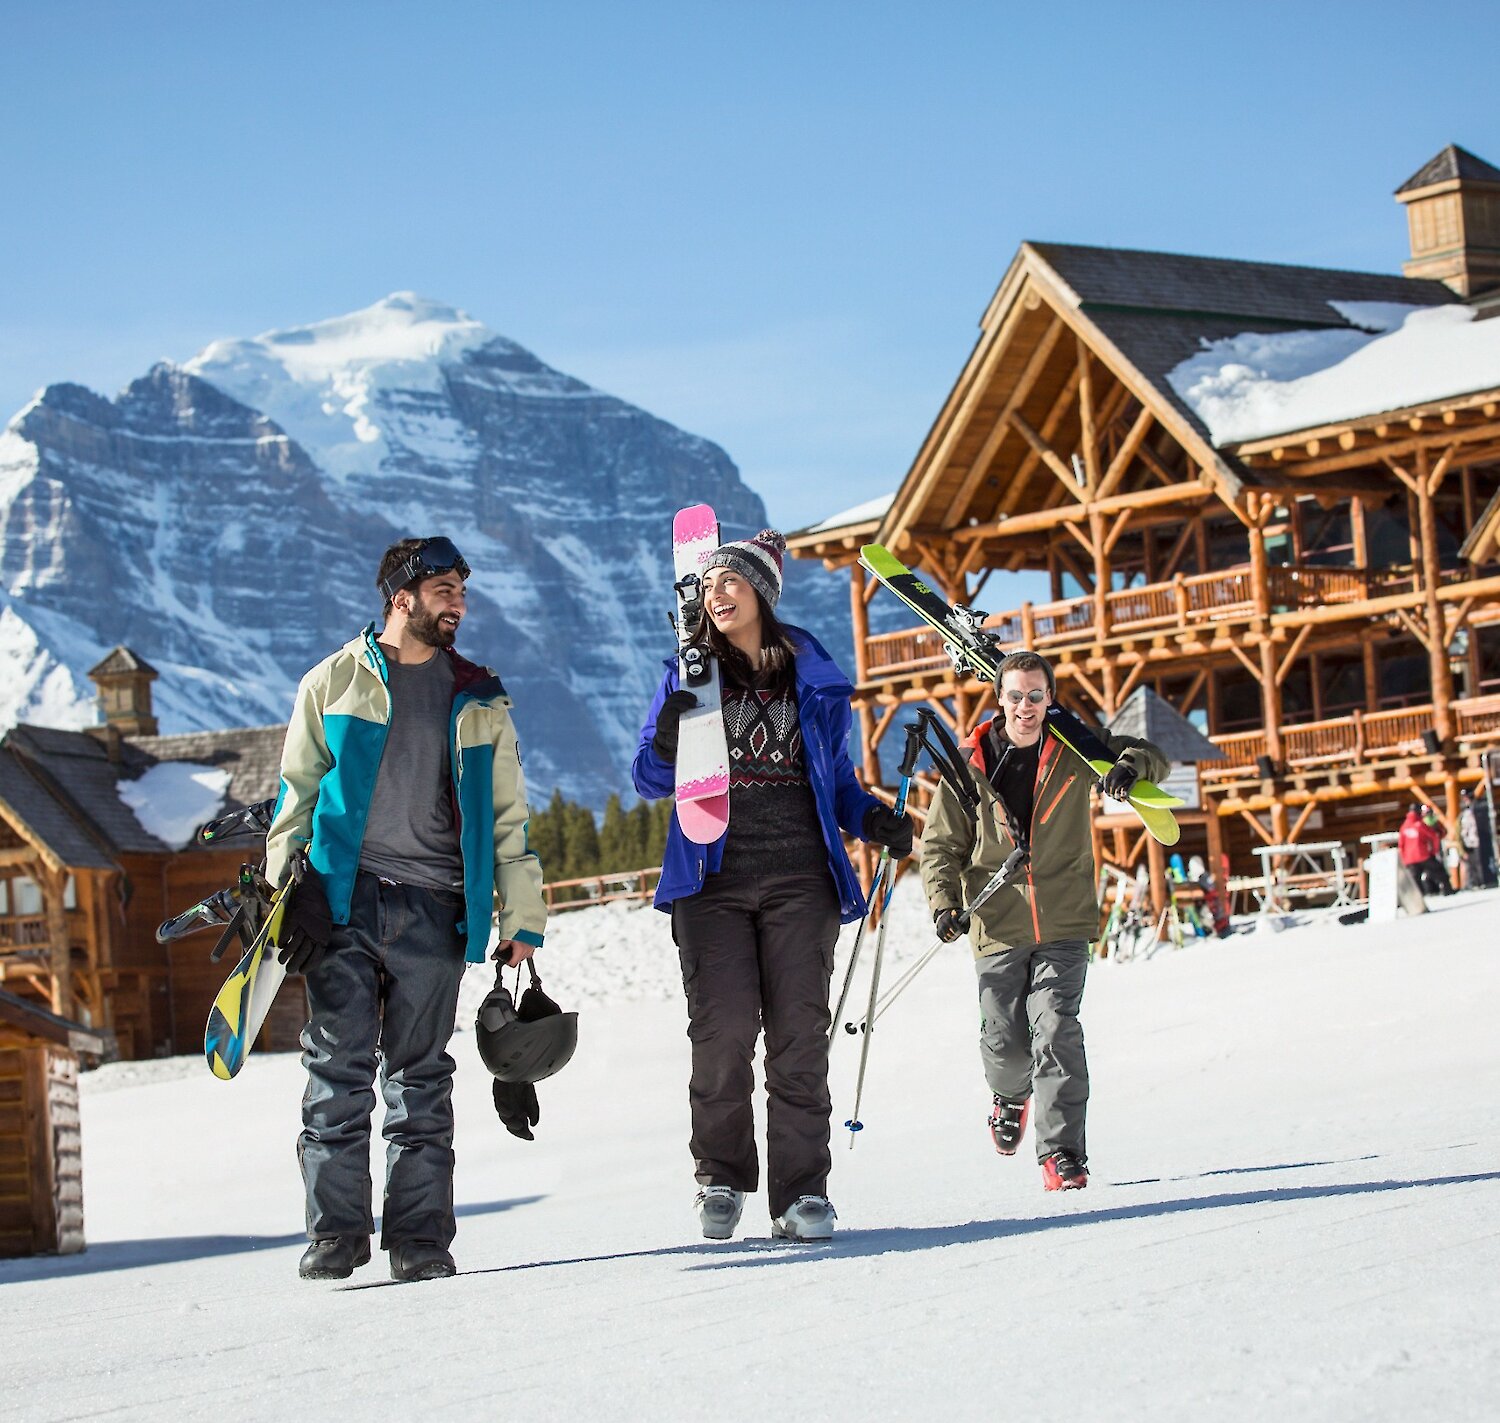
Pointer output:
1421, 847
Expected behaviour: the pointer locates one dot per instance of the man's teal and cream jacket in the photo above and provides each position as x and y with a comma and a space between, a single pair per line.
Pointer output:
328, 769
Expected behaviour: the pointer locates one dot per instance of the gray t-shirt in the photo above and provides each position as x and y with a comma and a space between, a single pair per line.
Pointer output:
410, 835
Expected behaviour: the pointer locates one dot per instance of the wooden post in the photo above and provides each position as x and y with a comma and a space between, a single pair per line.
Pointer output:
1270, 699
1087, 432
1437, 641
1156, 857
1101, 576
60, 953
859, 610
1358, 535
1372, 672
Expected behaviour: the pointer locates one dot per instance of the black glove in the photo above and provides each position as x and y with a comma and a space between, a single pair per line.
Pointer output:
1119, 779
306, 925
885, 827
951, 924
516, 1106
664, 743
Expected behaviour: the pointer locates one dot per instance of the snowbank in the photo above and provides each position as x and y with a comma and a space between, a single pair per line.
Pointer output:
1252, 386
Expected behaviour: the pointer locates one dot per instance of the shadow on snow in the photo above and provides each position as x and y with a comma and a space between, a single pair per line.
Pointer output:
169, 1250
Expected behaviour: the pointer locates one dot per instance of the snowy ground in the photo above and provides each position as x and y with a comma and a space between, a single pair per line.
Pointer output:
1295, 1211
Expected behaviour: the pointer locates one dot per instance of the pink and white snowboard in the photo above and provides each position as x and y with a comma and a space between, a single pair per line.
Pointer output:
702, 752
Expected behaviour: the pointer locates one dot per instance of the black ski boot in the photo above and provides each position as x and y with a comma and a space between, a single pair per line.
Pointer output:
1008, 1124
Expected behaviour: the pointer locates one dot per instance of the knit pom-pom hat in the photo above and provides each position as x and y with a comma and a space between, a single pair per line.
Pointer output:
757, 561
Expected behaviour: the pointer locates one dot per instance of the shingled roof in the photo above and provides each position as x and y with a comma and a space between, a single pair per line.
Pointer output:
251, 755
1147, 717
1449, 166
1159, 308
46, 819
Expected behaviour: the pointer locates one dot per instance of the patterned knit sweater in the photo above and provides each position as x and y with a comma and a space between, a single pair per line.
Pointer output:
773, 819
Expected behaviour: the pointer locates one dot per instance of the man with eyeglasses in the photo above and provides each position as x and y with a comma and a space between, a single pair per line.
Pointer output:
1031, 940
403, 808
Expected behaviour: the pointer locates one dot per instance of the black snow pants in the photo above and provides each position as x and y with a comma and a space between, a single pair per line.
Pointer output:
384, 999
757, 951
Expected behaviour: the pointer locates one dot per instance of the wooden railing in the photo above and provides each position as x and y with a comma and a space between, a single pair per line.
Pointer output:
1184, 602
1354, 739
600, 889
23, 931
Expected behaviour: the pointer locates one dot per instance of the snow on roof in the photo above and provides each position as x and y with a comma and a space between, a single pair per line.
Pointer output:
859, 514
1255, 385
174, 798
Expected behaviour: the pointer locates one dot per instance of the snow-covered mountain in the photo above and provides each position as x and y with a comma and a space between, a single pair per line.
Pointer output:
225, 516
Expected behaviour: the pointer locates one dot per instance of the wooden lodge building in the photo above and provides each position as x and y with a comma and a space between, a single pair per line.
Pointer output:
1323, 601
84, 884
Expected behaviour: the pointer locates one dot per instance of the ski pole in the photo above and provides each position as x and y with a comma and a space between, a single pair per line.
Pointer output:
1014, 864
859, 937
909, 757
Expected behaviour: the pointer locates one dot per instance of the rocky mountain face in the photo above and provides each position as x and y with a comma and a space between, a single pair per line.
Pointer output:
225, 518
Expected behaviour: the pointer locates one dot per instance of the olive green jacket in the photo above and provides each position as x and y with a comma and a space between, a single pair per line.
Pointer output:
1057, 897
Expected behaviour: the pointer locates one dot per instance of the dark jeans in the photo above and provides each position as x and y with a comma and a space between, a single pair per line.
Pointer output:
1030, 1039
1432, 876
384, 997
758, 950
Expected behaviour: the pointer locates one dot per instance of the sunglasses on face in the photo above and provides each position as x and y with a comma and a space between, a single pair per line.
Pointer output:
1036, 696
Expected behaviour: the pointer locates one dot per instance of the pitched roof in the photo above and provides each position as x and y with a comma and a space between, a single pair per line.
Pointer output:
1159, 308
1450, 165
251, 755
1146, 716
46, 819
122, 659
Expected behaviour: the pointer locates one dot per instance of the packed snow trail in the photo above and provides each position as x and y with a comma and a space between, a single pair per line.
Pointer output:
1293, 1211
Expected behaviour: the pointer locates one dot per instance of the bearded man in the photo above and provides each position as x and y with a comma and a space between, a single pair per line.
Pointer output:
404, 809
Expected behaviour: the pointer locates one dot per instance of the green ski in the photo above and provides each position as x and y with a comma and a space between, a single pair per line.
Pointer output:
973, 650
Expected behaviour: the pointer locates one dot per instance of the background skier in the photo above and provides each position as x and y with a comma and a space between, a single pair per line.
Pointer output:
756, 914
1421, 845
1031, 941
401, 781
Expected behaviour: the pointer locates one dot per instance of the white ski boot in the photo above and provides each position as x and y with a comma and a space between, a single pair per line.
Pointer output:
809, 1218
719, 1210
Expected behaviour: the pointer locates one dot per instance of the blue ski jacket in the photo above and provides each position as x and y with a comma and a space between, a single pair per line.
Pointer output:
823, 694
334, 743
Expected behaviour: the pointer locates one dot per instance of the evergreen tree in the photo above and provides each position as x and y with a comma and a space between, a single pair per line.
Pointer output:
618, 842
546, 835
582, 841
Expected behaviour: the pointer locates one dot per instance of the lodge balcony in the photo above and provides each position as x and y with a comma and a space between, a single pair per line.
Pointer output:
1347, 743
1186, 609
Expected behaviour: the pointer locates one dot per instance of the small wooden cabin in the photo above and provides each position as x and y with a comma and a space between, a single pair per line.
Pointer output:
41, 1157
84, 884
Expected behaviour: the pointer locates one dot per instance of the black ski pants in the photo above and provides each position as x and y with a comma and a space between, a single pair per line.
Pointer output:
384, 998
757, 951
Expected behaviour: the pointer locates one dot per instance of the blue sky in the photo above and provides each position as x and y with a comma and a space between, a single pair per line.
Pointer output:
776, 225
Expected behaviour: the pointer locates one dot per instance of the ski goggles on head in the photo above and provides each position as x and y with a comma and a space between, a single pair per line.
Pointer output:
1036, 696
430, 558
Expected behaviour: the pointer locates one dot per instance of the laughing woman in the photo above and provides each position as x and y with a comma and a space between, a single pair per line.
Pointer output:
756, 914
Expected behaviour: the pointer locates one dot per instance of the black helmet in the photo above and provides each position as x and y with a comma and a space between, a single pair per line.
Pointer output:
525, 1044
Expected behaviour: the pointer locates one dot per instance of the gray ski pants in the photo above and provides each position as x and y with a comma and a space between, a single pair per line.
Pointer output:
758, 950
1030, 1039
383, 998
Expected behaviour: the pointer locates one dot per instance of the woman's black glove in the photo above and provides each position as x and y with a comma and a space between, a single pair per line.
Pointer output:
306, 924
1119, 779
664, 743
517, 1107
885, 827
951, 924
